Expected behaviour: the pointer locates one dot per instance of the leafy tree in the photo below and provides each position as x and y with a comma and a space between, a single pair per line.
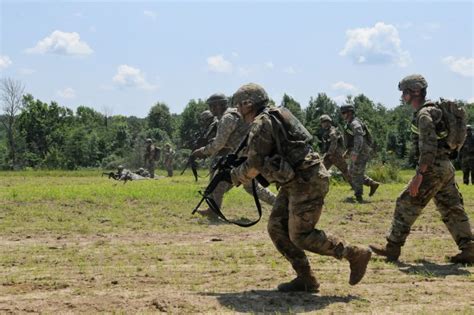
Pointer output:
160, 117
190, 121
293, 106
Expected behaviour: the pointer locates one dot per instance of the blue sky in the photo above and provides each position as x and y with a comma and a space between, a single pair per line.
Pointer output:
122, 57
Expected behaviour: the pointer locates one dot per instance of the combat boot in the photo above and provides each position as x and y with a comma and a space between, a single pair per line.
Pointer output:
373, 188
358, 258
307, 283
466, 256
359, 199
391, 251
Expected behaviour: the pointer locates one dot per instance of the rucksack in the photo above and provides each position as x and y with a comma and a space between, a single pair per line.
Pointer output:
455, 121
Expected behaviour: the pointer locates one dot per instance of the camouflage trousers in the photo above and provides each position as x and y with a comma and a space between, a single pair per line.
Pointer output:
357, 174
150, 167
264, 194
169, 168
295, 213
438, 183
467, 166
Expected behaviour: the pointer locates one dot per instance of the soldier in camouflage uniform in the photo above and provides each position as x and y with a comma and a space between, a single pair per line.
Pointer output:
168, 158
278, 148
152, 153
466, 156
333, 147
231, 130
208, 123
359, 149
434, 179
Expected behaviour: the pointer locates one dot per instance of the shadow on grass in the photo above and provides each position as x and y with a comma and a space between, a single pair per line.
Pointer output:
274, 301
429, 269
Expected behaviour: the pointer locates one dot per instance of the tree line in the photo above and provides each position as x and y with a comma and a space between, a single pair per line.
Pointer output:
35, 134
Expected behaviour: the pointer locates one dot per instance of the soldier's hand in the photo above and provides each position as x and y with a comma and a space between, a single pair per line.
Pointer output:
199, 153
415, 185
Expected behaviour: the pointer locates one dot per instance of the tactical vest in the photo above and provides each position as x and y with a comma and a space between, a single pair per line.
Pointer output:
350, 135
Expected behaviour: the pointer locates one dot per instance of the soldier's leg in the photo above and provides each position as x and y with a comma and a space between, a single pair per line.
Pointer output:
152, 170
450, 204
465, 171
471, 169
218, 193
327, 161
407, 210
342, 166
306, 199
278, 230
263, 193
358, 174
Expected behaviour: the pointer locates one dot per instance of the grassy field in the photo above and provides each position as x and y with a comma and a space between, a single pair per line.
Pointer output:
78, 242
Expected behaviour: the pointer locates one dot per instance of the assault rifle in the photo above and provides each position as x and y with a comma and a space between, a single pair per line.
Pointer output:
111, 175
201, 141
222, 173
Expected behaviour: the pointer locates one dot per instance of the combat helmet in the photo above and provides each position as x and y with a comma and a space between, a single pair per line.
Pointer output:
252, 92
324, 118
217, 99
120, 167
414, 82
347, 108
148, 140
468, 127
206, 116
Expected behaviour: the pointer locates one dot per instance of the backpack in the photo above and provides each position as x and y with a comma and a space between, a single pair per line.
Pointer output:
455, 122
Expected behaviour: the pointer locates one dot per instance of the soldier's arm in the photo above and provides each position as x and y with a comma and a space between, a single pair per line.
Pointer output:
427, 141
260, 145
358, 138
333, 139
226, 126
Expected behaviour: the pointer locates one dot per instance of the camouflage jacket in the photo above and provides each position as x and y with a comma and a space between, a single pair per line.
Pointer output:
333, 143
168, 155
152, 153
356, 137
262, 146
426, 134
231, 130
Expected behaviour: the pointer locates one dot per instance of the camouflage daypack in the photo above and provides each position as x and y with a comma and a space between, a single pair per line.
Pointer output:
455, 123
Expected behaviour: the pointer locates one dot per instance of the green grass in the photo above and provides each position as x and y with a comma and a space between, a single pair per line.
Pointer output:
79, 242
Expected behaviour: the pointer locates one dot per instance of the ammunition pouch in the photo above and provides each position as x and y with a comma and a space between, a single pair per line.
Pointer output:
276, 169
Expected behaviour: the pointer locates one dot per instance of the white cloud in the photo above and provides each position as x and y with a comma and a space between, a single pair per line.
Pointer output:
219, 64
5, 62
471, 100
462, 66
341, 85
340, 99
26, 71
380, 44
269, 65
150, 14
128, 76
66, 93
61, 43
289, 70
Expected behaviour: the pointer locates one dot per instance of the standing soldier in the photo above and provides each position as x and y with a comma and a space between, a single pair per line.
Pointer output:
152, 154
208, 123
359, 147
278, 148
168, 158
434, 179
333, 147
466, 156
231, 130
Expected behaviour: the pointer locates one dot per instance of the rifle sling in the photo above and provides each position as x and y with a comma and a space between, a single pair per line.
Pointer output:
215, 208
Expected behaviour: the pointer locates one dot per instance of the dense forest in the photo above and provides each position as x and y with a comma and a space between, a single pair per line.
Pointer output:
34, 134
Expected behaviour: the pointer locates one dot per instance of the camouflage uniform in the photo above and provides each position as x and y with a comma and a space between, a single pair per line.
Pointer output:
151, 154
231, 130
333, 150
438, 183
435, 178
466, 155
168, 157
300, 198
357, 143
